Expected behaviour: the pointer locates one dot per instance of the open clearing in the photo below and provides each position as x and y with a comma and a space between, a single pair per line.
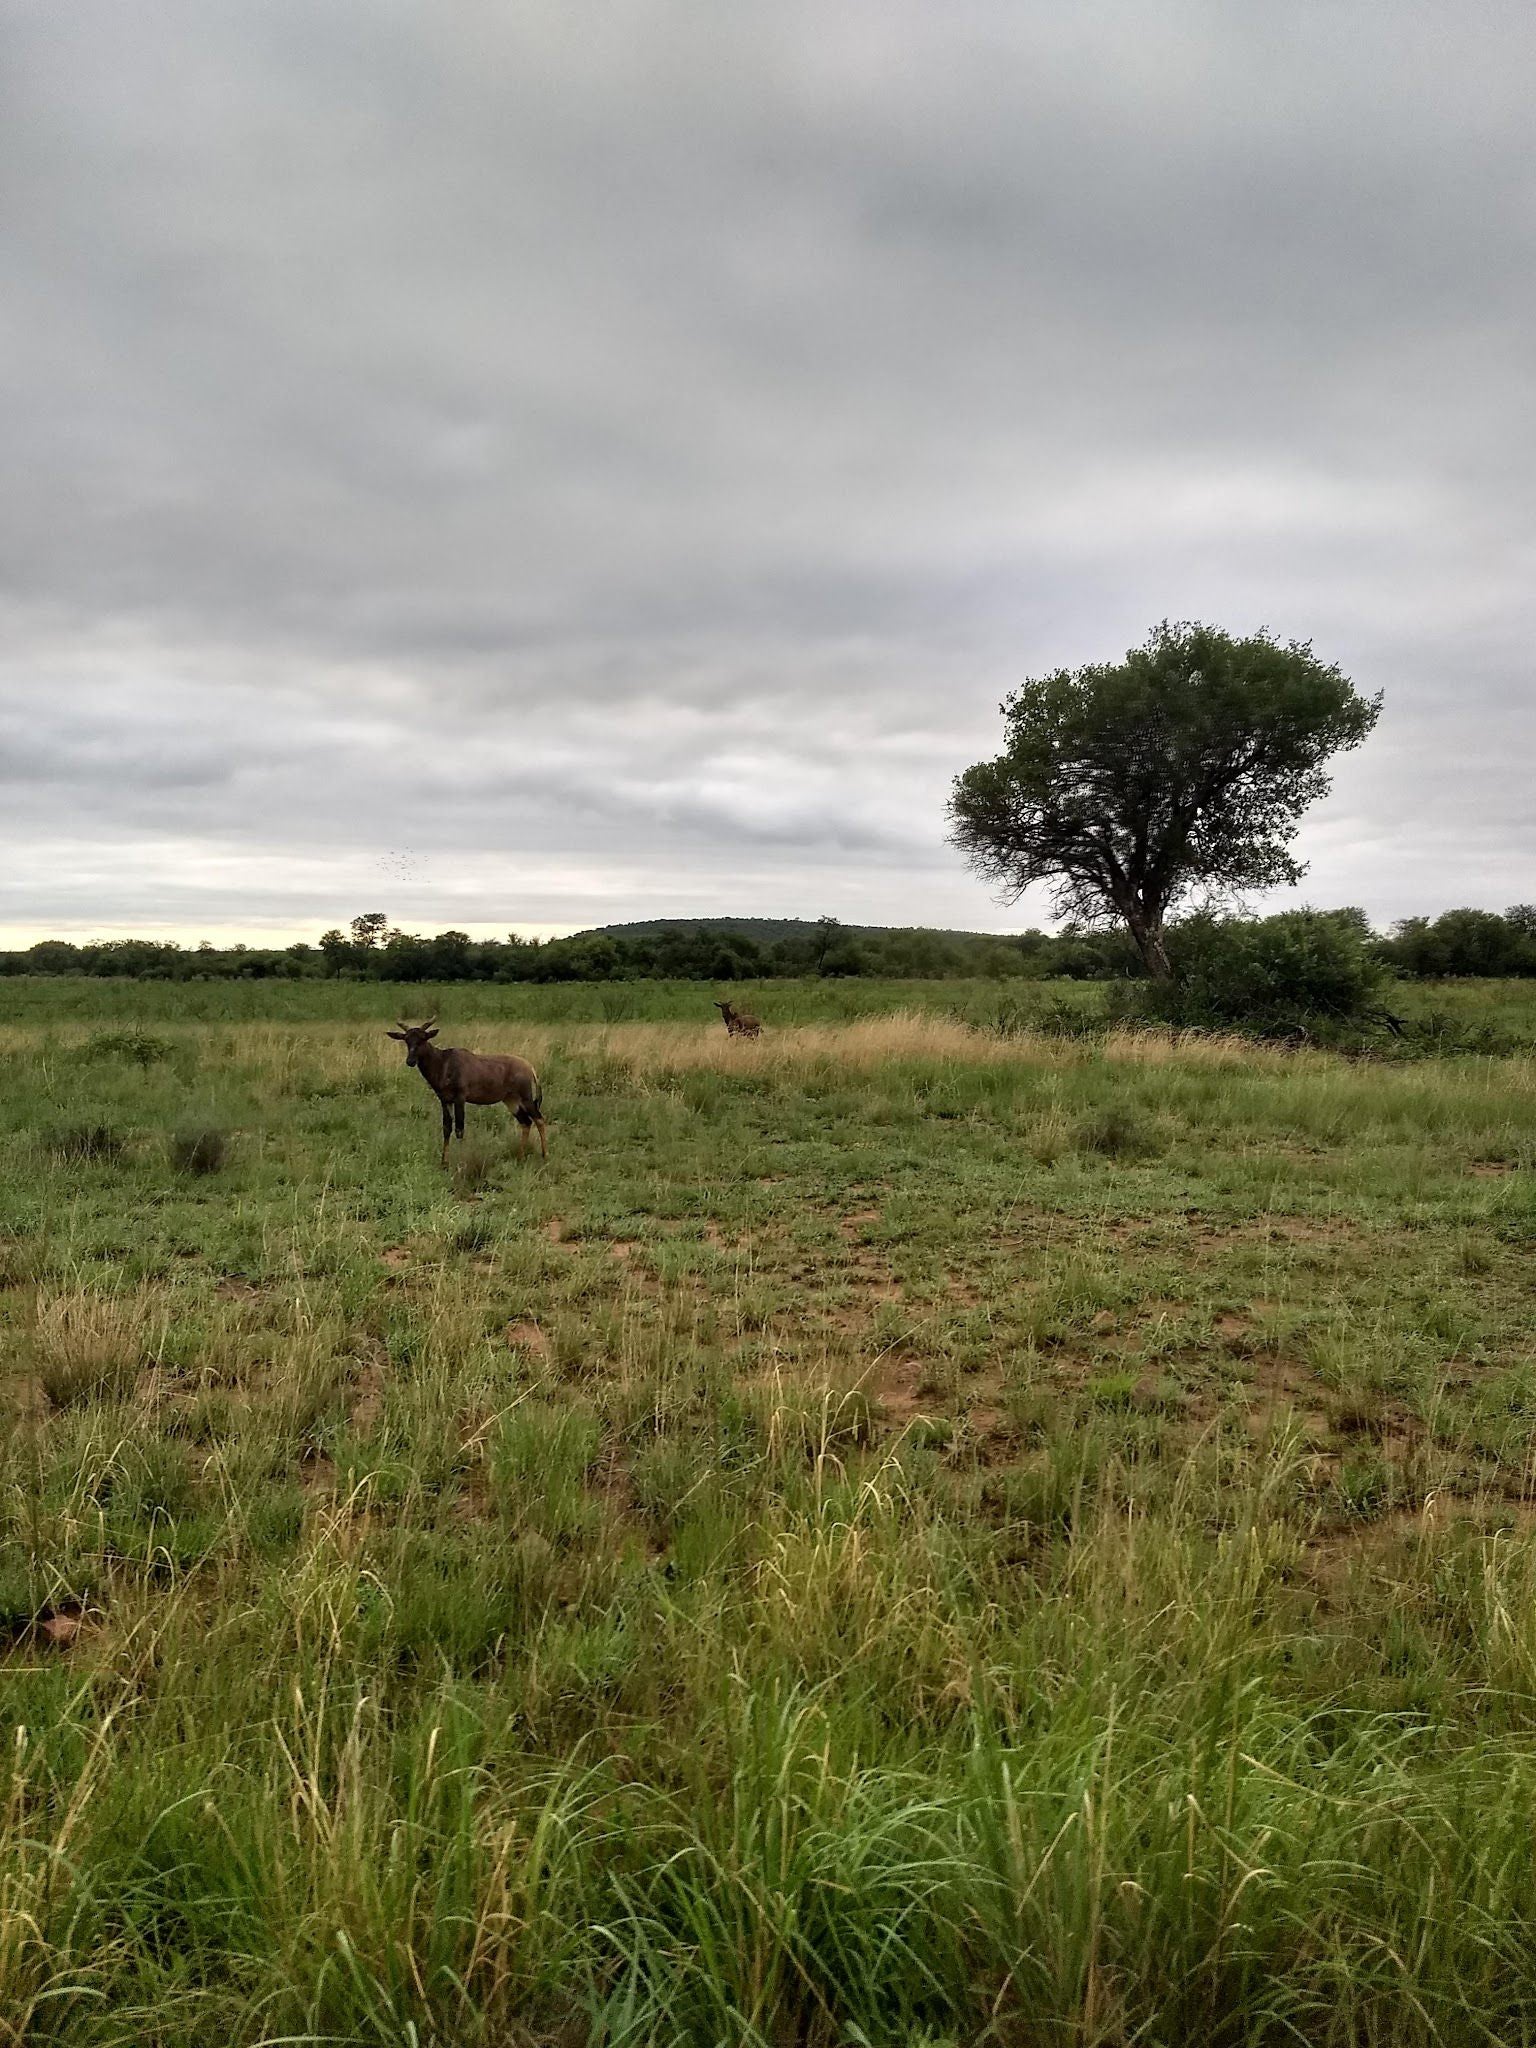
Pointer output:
895, 1534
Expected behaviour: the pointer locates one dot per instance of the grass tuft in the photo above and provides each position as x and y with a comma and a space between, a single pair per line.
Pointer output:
202, 1150
96, 1143
1118, 1133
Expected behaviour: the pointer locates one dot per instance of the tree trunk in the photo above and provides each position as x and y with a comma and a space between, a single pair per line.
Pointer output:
1148, 935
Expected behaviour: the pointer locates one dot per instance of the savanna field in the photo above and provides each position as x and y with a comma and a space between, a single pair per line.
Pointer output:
917, 1530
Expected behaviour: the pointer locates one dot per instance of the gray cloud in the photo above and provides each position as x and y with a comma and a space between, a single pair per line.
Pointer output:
629, 452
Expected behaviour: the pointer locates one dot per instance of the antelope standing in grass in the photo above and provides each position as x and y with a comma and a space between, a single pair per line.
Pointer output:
457, 1077
740, 1023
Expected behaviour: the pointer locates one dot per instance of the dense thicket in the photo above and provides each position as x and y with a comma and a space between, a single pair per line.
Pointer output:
671, 953
1305, 971
1464, 942
1459, 942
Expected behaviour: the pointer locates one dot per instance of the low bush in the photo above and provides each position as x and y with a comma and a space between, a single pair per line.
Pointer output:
1303, 972
143, 1048
200, 1151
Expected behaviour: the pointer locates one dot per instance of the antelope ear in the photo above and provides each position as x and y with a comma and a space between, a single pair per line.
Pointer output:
430, 1032
396, 1034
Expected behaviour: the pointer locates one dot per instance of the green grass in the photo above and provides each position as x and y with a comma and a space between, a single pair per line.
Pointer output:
898, 1533
1455, 1016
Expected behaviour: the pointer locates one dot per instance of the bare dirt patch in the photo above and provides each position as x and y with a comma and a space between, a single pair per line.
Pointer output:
1151, 1313
1280, 1387
525, 1335
1308, 1229
899, 1383
900, 1402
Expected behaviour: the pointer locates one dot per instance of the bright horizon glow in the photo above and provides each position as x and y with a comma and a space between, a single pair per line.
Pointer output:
259, 937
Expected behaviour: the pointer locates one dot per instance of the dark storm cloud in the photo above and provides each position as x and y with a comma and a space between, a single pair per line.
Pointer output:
627, 451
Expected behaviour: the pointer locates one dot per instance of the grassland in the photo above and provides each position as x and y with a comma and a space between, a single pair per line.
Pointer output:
1477, 1015
897, 1534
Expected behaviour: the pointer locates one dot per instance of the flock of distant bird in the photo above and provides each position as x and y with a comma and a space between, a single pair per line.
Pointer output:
458, 1078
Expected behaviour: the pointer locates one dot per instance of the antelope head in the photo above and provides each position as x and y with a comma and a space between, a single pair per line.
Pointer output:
414, 1037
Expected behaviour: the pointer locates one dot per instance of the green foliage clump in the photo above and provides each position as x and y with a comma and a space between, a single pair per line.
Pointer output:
1464, 942
1301, 971
1131, 786
142, 1048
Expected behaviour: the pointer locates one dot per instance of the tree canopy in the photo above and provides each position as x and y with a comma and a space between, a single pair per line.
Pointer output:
1184, 769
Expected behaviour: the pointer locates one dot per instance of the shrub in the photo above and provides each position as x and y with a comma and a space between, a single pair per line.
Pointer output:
200, 1151
142, 1047
1303, 970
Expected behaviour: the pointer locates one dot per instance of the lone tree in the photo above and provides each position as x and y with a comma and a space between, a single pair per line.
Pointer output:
1133, 784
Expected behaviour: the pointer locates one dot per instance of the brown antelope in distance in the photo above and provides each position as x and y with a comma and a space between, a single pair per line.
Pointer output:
740, 1023
457, 1077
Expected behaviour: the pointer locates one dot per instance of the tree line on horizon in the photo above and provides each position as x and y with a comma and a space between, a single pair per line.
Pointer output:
1455, 944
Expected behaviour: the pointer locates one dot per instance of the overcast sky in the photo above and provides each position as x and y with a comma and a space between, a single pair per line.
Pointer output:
534, 465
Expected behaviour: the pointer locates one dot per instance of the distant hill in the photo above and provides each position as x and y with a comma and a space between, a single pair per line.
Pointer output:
768, 931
